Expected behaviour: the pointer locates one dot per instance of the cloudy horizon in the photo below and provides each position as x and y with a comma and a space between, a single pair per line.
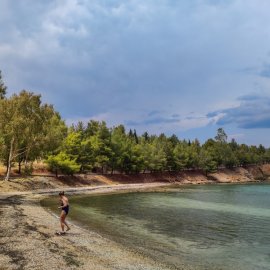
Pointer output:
162, 66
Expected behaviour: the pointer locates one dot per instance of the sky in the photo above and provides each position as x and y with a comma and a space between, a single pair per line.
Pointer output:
184, 67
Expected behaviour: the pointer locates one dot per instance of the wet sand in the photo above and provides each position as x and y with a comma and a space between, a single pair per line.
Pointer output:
28, 240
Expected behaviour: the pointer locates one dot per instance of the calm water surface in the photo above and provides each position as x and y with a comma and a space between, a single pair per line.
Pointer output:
203, 227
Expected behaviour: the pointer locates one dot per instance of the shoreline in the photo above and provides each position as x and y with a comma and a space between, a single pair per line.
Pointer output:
28, 239
43, 182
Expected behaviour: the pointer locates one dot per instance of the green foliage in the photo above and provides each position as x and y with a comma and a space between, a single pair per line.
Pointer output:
28, 128
181, 156
207, 159
266, 156
31, 130
3, 88
95, 147
28, 169
63, 163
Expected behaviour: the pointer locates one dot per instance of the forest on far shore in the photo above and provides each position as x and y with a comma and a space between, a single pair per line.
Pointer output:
31, 130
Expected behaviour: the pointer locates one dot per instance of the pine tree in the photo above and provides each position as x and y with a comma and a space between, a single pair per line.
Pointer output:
3, 88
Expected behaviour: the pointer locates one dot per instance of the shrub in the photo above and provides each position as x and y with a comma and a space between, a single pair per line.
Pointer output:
62, 163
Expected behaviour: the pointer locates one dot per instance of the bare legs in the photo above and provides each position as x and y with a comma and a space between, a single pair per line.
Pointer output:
63, 222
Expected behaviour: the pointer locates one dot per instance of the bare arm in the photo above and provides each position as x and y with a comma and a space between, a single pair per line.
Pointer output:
64, 203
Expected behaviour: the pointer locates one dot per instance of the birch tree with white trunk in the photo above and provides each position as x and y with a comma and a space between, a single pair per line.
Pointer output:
25, 127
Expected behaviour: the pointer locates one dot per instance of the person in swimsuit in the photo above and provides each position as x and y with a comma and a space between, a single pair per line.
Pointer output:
65, 208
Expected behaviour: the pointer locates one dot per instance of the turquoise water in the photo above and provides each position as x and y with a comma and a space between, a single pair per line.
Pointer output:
202, 227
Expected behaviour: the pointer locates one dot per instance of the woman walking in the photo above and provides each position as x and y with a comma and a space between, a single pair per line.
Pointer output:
65, 209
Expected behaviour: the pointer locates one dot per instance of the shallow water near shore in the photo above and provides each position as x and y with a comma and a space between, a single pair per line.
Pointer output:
194, 227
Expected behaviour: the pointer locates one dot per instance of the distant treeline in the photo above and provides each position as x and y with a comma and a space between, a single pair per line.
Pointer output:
31, 130
95, 147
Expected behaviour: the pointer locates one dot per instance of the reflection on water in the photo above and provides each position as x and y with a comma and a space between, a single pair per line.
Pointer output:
204, 227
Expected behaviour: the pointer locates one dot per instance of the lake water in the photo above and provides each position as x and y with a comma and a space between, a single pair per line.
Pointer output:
202, 227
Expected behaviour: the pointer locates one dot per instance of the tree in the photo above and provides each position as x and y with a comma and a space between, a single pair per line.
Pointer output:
135, 136
229, 158
92, 128
158, 159
145, 136
54, 131
118, 146
98, 147
44, 140
243, 155
266, 156
101, 145
207, 161
79, 149
221, 136
62, 162
180, 156
24, 123
233, 145
3, 88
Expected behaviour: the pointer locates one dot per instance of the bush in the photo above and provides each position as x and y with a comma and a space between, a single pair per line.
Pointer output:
28, 169
62, 163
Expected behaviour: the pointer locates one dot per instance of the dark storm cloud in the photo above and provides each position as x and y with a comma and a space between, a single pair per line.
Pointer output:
154, 121
253, 112
122, 59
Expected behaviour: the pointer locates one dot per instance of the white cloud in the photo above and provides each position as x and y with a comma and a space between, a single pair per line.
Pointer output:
118, 60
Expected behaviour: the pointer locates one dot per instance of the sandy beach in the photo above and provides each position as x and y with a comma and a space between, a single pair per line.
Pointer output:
28, 239
27, 230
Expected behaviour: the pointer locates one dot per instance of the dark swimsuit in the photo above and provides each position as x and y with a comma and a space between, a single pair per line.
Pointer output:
66, 208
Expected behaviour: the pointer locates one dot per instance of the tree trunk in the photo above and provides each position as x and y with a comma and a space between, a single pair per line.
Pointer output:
20, 166
10, 159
